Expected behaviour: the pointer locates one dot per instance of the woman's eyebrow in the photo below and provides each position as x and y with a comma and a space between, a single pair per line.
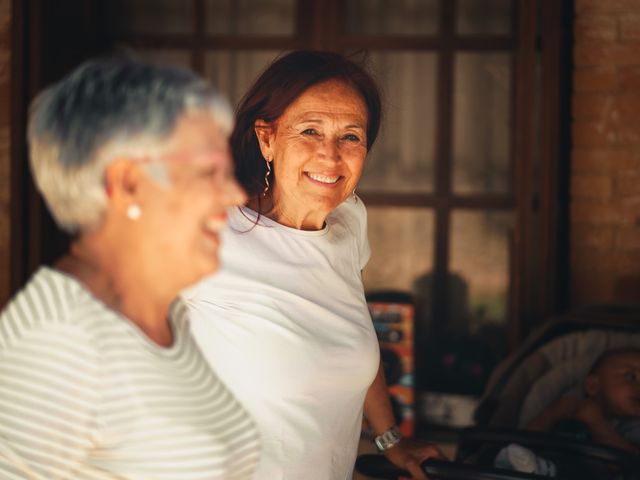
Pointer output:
309, 120
320, 121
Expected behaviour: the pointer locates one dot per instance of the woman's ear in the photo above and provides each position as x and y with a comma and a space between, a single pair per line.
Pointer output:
122, 182
592, 385
264, 133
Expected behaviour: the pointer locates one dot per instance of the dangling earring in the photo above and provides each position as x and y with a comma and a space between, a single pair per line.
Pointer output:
355, 197
134, 212
266, 178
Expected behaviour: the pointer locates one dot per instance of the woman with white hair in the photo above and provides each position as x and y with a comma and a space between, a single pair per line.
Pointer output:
99, 375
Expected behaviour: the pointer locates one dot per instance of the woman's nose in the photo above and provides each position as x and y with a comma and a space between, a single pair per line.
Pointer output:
331, 150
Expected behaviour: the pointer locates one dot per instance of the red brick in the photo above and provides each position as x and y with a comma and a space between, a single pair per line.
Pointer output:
589, 160
591, 186
588, 285
629, 78
628, 239
630, 27
624, 159
590, 289
596, 53
598, 213
586, 7
626, 103
628, 133
586, 106
601, 27
588, 259
627, 289
628, 184
593, 134
611, 107
610, 264
592, 237
627, 262
603, 160
595, 79
619, 108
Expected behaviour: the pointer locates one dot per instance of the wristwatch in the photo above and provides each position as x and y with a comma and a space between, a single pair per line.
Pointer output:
388, 439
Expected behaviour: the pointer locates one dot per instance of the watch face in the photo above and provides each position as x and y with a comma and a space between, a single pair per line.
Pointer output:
388, 439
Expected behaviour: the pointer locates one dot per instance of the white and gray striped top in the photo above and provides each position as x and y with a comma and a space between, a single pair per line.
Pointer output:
84, 394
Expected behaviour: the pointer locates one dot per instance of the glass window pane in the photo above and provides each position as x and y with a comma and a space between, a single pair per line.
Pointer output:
150, 16
484, 16
401, 248
481, 124
250, 17
402, 159
233, 72
480, 246
395, 17
181, 58
456, 354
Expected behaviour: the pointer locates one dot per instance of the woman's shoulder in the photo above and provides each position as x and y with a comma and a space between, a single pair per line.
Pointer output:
52, 304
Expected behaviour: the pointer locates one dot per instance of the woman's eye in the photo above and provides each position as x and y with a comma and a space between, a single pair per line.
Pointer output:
309, 131
351, 137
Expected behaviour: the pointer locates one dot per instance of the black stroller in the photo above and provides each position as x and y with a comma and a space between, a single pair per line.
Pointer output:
552, 361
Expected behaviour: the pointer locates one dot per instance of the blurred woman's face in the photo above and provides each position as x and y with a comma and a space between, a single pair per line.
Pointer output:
182, 219
318, 147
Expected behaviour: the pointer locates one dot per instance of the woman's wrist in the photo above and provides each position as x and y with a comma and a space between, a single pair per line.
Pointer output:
388, 438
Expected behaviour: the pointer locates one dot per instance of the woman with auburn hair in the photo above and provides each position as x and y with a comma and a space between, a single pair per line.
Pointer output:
287, 315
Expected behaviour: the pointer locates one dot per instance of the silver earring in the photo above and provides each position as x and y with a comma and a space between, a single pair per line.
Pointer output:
266, 178
134, 212
355, 197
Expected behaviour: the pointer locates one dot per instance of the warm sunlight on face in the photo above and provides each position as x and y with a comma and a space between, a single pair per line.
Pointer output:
184, 219
318, 147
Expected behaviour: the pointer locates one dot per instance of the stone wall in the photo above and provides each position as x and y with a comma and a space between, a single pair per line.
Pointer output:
5, 142
605, 178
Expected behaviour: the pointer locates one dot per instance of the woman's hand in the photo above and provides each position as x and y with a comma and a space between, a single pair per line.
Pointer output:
409, 453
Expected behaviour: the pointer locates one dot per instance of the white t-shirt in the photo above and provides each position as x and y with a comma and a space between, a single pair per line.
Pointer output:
84, 394
285, 323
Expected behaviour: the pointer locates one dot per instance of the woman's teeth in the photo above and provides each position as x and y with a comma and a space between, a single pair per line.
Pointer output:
323, 178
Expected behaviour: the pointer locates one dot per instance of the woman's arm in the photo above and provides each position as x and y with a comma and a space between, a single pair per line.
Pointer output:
408, 453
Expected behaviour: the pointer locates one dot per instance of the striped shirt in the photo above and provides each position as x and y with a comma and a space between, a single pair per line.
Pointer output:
84, 394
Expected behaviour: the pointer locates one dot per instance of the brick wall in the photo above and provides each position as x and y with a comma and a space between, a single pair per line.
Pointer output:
5, 110
605, 177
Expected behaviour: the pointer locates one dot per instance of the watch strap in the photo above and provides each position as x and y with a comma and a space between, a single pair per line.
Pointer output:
388, 439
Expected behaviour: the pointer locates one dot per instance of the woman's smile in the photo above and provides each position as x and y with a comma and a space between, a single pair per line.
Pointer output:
324, 180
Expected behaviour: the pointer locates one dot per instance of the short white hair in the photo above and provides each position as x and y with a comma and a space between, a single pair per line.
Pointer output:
102, 110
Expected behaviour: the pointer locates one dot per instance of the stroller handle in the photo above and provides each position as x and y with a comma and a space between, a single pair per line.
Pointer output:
377, 466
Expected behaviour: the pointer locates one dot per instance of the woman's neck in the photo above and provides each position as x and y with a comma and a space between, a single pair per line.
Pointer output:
299, 220
115, 281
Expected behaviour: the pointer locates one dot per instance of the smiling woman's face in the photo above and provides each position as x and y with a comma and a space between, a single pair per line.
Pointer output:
318, 147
